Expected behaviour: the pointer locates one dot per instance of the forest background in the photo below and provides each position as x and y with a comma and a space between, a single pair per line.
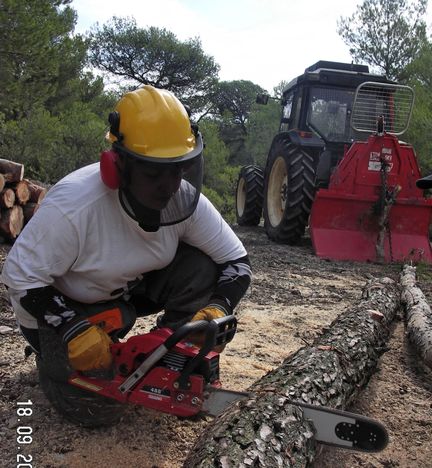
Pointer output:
57, 87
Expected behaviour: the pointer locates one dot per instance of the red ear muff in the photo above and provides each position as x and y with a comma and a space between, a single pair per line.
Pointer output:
108, 169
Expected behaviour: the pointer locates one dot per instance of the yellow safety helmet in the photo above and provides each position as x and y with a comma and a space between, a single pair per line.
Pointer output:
151, 124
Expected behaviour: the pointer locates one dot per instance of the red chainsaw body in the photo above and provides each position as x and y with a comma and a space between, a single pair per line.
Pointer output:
158, 389
343, 225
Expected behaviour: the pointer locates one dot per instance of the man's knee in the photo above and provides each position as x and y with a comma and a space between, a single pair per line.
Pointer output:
191, 273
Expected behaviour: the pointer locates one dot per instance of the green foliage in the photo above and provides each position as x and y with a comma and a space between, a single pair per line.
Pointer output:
83, 139
423, 272
419, 75
156, 57
261, 128
387, 34
54, 113
51, 146
219, 177
278, 89
234, 100
31, 141
33, 34
233, 103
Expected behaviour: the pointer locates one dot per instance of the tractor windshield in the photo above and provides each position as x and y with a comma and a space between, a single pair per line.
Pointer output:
330, 113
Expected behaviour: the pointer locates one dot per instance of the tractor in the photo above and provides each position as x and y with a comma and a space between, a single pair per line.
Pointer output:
337, 167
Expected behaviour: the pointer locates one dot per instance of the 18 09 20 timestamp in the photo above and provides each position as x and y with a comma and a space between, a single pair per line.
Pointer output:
24, 433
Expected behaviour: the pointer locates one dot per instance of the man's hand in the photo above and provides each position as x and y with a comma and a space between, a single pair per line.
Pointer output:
88, 346
208, 313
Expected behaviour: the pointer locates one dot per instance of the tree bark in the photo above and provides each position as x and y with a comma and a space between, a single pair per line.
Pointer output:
22, 192
2, 182
29, 209
266, 430
12, 171
418, 314
7, 198
12, 221
37, 193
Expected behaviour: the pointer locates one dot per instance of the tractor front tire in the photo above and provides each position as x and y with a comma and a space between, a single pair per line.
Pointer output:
249, 196
289, 191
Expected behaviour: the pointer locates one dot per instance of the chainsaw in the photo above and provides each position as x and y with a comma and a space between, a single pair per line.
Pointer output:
163, 371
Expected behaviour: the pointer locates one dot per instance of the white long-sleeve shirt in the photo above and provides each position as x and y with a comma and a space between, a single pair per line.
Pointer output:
83, 243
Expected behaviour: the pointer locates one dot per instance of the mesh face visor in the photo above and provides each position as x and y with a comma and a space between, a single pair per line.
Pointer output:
185, 200
180, 206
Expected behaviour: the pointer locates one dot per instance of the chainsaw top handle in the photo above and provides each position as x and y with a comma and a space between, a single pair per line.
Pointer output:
217, 332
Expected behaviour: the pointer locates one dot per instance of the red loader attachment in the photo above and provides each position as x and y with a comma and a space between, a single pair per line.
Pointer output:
372, 209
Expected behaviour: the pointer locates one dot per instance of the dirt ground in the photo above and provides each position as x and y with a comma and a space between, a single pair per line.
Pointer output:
293, 296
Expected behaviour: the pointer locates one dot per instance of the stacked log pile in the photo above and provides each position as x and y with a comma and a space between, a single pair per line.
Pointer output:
19, 199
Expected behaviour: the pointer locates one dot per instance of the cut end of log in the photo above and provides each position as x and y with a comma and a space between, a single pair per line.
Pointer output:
22, 192
19, 199
7, 198
12, 221
12, 171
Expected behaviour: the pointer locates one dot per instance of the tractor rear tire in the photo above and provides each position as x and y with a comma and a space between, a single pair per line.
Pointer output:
249, 196
289, 191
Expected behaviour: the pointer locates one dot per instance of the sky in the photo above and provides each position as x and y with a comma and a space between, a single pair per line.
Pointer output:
264, 41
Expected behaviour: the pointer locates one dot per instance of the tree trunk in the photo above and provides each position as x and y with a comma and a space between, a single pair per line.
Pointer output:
7, 198
22, 192
266, 430
12, 221
418, 314
12, 171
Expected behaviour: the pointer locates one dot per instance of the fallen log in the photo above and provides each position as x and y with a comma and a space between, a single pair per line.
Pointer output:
12, 171
418, 315
7, 198
12, 221
22, 192
266, 430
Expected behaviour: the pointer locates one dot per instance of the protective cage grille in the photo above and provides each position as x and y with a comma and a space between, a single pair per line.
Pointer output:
374, 100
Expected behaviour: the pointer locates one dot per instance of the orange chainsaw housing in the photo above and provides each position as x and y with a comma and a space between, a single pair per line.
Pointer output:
344, 224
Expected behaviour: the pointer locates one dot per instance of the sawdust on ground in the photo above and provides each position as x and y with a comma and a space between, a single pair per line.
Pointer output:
293, 296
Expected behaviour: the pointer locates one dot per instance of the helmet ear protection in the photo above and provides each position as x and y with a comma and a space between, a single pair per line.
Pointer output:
108, 159
109, 170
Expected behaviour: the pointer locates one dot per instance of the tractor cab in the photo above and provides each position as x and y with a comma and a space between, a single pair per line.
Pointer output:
319, 103
337, 167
